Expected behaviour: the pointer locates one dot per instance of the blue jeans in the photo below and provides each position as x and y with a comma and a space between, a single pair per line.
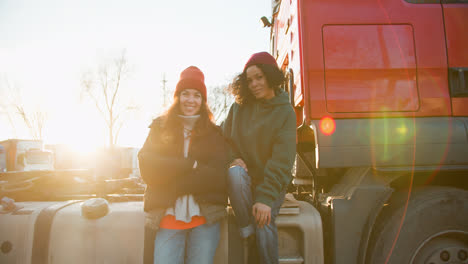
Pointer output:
190, 246
241, 198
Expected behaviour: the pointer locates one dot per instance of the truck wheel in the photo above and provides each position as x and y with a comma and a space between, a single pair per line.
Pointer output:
434, 230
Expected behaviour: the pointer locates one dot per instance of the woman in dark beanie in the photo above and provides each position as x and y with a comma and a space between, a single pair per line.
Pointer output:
184, 164
261, 126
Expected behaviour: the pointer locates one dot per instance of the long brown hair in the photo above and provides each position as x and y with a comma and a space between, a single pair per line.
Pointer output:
172, 124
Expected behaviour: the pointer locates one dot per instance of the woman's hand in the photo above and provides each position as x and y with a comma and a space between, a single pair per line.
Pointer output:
262, 214
239, 162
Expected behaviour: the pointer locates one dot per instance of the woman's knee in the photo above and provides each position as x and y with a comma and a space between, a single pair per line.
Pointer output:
238, 176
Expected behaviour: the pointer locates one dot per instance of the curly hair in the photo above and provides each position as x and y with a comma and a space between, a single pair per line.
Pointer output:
239, 87
172, 124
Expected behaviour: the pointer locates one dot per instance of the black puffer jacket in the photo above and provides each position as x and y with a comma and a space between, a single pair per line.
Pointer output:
169, 175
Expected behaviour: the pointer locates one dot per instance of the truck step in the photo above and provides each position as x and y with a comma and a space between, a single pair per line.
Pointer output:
291, 260
289, 206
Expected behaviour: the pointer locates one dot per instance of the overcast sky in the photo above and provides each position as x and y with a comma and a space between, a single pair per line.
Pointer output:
46, 45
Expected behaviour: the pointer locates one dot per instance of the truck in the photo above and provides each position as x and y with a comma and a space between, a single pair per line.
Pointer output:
26, 155
380, 91
2, 159
380, 94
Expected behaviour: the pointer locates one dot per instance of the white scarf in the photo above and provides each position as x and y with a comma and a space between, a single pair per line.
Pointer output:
185, 206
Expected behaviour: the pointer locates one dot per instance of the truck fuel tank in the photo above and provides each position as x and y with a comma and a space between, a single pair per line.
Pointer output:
98, 231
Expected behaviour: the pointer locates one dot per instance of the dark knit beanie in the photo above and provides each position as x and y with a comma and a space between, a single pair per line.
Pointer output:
191, 78
260, 58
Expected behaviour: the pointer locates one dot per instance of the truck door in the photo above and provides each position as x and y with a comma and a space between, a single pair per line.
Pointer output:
456, 21
375, 58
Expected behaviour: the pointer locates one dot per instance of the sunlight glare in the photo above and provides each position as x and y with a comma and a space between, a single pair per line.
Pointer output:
402, 130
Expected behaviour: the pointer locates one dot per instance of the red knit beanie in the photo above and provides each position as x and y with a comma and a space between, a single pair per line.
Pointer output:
260, 58
191, 78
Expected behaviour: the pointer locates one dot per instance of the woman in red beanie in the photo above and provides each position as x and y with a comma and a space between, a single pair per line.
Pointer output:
261, 126
184, 164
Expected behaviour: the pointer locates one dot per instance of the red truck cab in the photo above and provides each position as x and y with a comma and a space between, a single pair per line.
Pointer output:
380, 90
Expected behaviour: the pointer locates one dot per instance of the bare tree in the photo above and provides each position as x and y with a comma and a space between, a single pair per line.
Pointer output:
219, 100
5, 103
34, 118
103, 86
34, 121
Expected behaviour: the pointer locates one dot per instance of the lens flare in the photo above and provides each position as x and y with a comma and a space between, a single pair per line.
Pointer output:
403, 130
327, 125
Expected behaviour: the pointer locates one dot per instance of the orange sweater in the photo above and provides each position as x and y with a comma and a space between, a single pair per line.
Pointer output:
169, 222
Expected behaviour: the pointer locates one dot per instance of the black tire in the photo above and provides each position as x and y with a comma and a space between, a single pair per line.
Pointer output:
434, 230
